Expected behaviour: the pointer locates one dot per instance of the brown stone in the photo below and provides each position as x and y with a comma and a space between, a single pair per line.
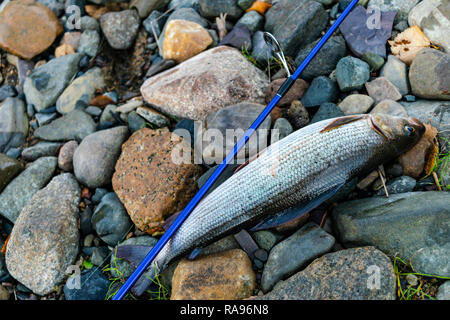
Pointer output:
184, 39
65, 157
298, 115
63, 50
222, 276
149, 183
413, 161
72, 38
27, 28
382, 89
296, 92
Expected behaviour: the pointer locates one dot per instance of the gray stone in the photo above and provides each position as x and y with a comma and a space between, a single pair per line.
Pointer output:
253, 20
9, 168
41, 149
120, 28
183, 4
155, 118
293, 253
73, 126
99, 256
414, 225
212, 9
375, 61
321, 90
144, 7
81, 89
403, 7
13, 124
19, 191
45, 118
135, 122
295, 23
154, 23
396, 72
89, 23
44, 240
341, 275
382, 89
281, 129
7, 91
444, 291
45, 83
96, 156
93, 111
260, 50
94, 286
429, 75
390, 107
356, 104
352, 73
106, 114
240, 38
89, 43
399, 185
266, 239
327, 110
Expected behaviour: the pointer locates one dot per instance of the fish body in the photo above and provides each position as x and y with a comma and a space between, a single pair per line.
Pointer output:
307, 165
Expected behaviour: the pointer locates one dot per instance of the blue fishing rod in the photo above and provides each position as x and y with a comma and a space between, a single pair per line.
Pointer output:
271, 41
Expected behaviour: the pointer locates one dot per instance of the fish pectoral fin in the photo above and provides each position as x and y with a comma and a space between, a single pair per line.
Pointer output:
194, 253
336, 123
132, 253
290, 214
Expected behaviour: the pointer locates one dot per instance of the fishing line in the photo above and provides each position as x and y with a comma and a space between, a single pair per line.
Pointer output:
204, 189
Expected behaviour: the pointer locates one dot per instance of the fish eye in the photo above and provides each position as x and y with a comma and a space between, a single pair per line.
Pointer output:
409, 130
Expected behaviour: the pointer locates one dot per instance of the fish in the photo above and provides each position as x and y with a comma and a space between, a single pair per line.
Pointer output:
302, 170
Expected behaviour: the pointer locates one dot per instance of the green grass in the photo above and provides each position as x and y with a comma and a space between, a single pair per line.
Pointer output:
442, 162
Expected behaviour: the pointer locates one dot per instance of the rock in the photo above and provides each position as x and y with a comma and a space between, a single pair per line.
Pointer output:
414, 161
111, 220
375, 61
227, 275
27, 28
45, 118
352, 73
20, 190
298, 115
89, 23
343, 275
253, 20
81, 89
327, 111
107, 114
65, 157
407, 44
430, 75
403, 7
397, 73
98, 195
154, 23
260, 50
120, 28
123, 268
303, 21
381, 89
160, 66
321, 90
390, 107
41, 149
73, 126
227, 125
212, 9
135, 122
184, 4
296, 92
444, 291
209, 81
95, 158
153, 117
356, 104
240, 38
144, 7
13, 124
89, 43
433, 18
291, 254
399, 185
325, 60
281, 129
413, 225
148, 182
184, 39
44, 84
4, 294
266, 239
44, 240
7, 91
94, 285
9, 168
365, 31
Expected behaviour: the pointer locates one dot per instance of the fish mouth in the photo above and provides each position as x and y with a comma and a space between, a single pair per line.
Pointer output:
377, 129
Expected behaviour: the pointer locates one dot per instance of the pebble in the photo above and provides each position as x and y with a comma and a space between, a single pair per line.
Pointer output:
94, 285
110, 220
144, 7
408, 43
13, 124
412, 280
4, 294
408, 224
160, 66
65, 156
89, 43
98, 195
45, 118
281, 129
444, 291
397, 73
135, 122
327, 110
152, 116
7, 91
120, 28
341, 275
154, 23
9, 168
297, 114
44, 240
107, 114
352, 73
321, 90
399, 185
184, 4
240, 38
390, 107
356, 104
381, 89
260, 50
93, 111
81, 89
266, 239
402, 7
253, 20
20, 190
375, 61
89, 23
227, 275
41, 149
211, 10
96, 156
296, 92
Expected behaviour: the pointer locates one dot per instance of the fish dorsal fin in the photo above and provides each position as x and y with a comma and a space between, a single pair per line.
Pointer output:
290, 214
338, 122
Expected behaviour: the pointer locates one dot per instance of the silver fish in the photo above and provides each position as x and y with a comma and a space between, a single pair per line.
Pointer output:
303, 170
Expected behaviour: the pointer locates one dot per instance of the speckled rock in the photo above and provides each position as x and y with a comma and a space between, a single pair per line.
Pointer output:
444, 291
403, 7
390, 107
44, 240
120, 28
343, 275
221, 276
95, 158
211, 80
152, 116
65, 157
41, 149
148, 182
381, 89
9, 168
356, 104
352, 73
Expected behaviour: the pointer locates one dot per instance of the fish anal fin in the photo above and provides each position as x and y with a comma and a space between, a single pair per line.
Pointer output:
336, 123
194, 254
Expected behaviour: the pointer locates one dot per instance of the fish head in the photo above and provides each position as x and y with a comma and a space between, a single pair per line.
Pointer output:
401, 133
